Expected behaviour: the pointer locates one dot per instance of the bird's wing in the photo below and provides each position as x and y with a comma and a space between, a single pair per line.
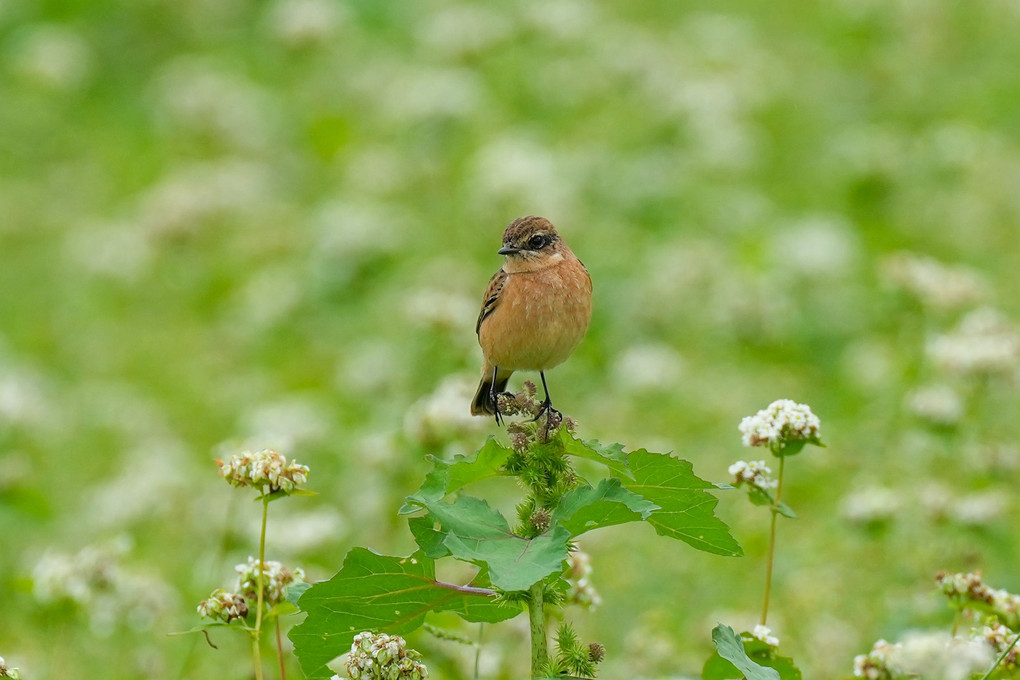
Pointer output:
491, 299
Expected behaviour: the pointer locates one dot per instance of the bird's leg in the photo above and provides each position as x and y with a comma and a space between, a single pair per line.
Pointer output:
495, 397
547, 407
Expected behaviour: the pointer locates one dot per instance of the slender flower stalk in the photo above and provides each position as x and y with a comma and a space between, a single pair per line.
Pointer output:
256, 634
772, 543
998, 661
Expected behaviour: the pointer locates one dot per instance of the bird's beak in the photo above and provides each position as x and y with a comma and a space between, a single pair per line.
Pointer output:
508, 250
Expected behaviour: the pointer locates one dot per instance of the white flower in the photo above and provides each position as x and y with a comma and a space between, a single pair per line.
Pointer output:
648, 367
784, 421
275, 579
53, 55
754, 473
443, 415
764, 634
383, 657
261, 469
224, 606
877, 664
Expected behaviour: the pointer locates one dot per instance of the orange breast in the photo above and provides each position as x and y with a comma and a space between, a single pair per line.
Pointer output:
541, 317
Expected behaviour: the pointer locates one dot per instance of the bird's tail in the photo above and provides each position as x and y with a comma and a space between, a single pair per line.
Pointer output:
482, 405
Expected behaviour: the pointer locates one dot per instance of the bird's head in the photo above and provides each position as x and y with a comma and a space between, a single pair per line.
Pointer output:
531, 243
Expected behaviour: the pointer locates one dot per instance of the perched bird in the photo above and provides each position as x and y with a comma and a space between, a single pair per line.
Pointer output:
534, 313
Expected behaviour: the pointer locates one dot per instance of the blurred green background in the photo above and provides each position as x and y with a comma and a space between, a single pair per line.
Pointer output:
227, 223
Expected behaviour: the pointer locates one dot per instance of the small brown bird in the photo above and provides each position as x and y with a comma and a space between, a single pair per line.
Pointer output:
535, 311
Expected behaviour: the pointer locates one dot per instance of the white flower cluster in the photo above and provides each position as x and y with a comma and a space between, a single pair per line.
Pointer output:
578, 575
275, 579
933, 283
968, 591
383, 657
875, 665
8, 672
984, 343
262, 469
754, 473
224, 606
871, 505
932, 656
782, 422
1001, 638
764, 634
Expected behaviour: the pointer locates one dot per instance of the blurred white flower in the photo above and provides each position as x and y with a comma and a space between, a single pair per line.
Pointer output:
938, 404
938, 656
979, 509
119, 250
464, 29
95, 580
53, 55
440, 309
517, 168
414, 93
870, 505
444, 414
877, 664
358, 229
578, 575
151, 482
648, 367
202, 97
22, 396
303, 531
374, 366
820, 246
266, 298
933, 283
764, 634
195, 194
984, 342
562, 19
305, 22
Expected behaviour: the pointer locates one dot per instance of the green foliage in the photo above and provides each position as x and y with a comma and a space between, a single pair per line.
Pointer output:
733, 661
572, 657
382, 594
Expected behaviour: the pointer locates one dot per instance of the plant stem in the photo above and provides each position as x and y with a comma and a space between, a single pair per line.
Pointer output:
772, 542
1002, 656
257, 633
539, 643
279, 651
478, 649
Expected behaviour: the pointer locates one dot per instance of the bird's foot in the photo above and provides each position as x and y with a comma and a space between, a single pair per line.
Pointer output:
553, 418
500, 416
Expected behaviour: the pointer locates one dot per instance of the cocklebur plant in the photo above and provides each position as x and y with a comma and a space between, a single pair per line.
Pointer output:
520, 565
784, 427
261, 586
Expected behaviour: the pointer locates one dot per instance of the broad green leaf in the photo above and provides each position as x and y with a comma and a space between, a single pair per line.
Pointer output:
587, 508
383, 594
449, 476
610, 455
428, 538
763, 655
685, 509
731, 648
474, 532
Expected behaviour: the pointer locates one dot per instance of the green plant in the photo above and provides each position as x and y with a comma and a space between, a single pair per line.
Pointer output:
520, 566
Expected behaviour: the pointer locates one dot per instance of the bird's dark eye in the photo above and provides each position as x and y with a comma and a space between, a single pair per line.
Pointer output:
536, 242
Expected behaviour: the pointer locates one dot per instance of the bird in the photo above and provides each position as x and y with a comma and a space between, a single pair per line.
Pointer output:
535, 311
